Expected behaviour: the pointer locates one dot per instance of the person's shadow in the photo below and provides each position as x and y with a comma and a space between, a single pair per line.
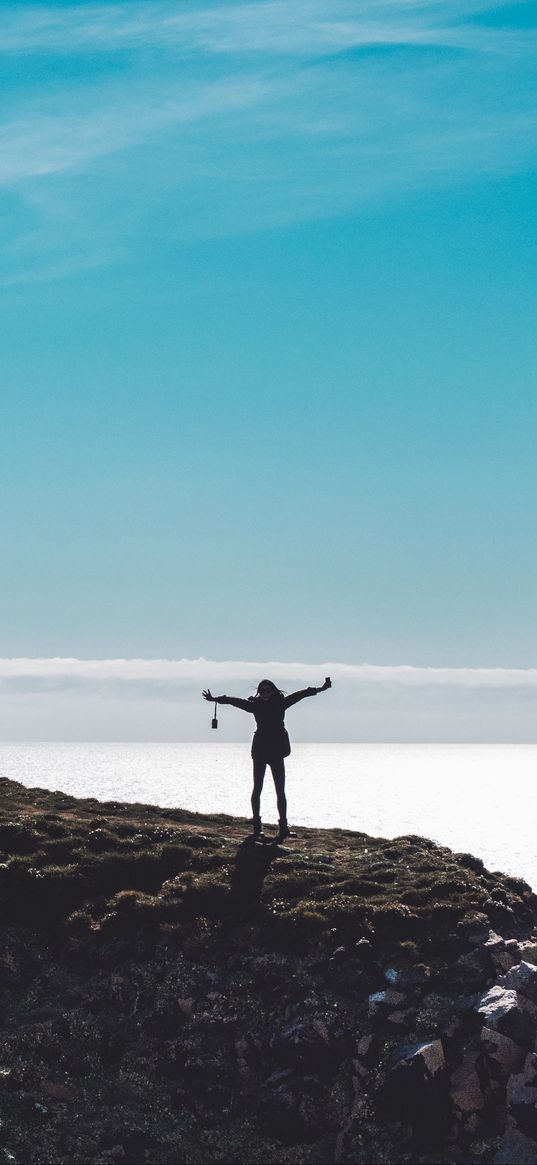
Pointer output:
251, 866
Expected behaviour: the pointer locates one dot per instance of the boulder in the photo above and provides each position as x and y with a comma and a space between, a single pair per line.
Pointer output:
515, 1148
403, 977
385, 1000
502, 1010
493, 942
501, 953
428, 1056
502, 960
502, 1055
528, 950
521, 1098
416, 1087
465, 1088
522, 979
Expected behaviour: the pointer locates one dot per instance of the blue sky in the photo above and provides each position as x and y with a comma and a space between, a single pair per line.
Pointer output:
267, 296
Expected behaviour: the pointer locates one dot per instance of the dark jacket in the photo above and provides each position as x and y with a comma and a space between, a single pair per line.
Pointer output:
270, 740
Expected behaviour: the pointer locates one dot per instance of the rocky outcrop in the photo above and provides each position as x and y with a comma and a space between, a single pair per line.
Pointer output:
173, 993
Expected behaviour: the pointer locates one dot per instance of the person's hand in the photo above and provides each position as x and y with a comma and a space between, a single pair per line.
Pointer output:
207, 695
327, 684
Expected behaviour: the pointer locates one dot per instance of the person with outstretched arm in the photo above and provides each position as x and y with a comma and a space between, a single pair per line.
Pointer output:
270, 744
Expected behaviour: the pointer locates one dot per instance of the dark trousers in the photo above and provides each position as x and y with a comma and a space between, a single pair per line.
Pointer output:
277, 766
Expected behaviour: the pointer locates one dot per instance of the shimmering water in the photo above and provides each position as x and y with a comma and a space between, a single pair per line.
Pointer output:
477, 798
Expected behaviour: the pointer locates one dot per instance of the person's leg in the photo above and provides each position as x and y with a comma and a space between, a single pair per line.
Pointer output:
259, 776
278, 773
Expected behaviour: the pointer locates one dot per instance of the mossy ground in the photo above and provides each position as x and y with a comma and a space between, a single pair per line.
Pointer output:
81, 864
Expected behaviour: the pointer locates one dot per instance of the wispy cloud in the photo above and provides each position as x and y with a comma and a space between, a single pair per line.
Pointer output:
271, 26
253, 115
50, 142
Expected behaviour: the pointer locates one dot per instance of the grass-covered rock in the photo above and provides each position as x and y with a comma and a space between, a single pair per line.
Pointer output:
174, 993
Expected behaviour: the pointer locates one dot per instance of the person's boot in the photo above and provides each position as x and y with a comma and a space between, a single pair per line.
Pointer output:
283, 832
257, 830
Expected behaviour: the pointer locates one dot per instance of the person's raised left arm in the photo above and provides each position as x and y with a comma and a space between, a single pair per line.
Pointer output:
296, 696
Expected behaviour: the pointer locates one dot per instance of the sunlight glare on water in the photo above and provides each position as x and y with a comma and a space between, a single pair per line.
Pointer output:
476, 798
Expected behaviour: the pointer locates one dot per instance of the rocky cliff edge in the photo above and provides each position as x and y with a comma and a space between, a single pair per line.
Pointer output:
174, 993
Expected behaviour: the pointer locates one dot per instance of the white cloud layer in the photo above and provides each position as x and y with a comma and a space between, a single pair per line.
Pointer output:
209, 671
160, 699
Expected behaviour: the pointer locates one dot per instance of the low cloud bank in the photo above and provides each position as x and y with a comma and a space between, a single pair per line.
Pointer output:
153, 699
207, 671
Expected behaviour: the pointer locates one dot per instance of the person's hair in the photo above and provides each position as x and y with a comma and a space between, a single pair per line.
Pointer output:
274, 691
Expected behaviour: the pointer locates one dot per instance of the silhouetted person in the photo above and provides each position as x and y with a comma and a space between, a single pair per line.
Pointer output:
270, 744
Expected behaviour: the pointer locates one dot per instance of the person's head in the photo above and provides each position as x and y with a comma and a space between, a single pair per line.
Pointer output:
266, 690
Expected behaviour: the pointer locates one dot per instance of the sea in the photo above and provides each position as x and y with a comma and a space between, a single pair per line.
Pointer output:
474, 798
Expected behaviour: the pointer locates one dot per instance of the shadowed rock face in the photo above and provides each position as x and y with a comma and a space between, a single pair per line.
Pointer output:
174, 993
